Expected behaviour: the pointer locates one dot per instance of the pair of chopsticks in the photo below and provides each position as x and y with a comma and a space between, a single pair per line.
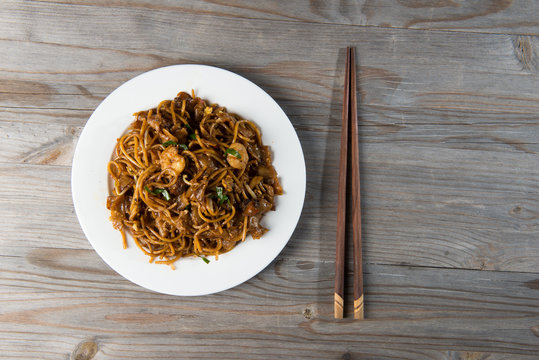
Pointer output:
349, 171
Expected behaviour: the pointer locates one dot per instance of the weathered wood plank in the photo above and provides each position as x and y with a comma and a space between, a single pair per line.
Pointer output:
26, 142
45, 346
491, 16
413, 313
48, 136
488, 102
173, 38
397, 93
476, 113
413, 198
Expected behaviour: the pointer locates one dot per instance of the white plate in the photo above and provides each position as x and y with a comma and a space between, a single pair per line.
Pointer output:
89, 178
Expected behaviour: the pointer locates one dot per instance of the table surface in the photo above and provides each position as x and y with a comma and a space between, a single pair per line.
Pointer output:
449, 131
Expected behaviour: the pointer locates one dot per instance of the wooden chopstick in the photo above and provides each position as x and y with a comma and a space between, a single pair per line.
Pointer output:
338, 302
356, 194
349, 136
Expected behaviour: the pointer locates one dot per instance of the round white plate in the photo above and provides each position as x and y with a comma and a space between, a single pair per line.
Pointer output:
89, 178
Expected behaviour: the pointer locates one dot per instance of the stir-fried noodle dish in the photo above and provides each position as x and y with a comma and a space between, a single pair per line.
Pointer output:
190, 179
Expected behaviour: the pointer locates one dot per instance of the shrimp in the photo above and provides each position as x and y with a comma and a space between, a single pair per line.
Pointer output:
170, 159
239, 158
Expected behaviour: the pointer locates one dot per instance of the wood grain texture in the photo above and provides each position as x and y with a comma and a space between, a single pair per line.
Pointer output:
73, 292
495, 211
449, 161
491, 16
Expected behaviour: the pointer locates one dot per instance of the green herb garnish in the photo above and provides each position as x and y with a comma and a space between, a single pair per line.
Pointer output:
170, 142
158, 191
193, 136
233, 153
220, 195
188, 127
204, 259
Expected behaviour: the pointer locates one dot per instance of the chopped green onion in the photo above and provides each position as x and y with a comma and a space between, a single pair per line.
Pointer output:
188, 127
220, 195
165, 194
233, 153
158, 191
170, 142
193, 136
204, 259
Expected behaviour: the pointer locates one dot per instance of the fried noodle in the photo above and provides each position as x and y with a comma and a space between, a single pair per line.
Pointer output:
190, 179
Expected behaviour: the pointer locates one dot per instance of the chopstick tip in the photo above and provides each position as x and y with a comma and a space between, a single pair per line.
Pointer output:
338, 306
359, 308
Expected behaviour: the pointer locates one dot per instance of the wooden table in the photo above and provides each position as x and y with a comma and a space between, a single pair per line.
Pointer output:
449, 129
